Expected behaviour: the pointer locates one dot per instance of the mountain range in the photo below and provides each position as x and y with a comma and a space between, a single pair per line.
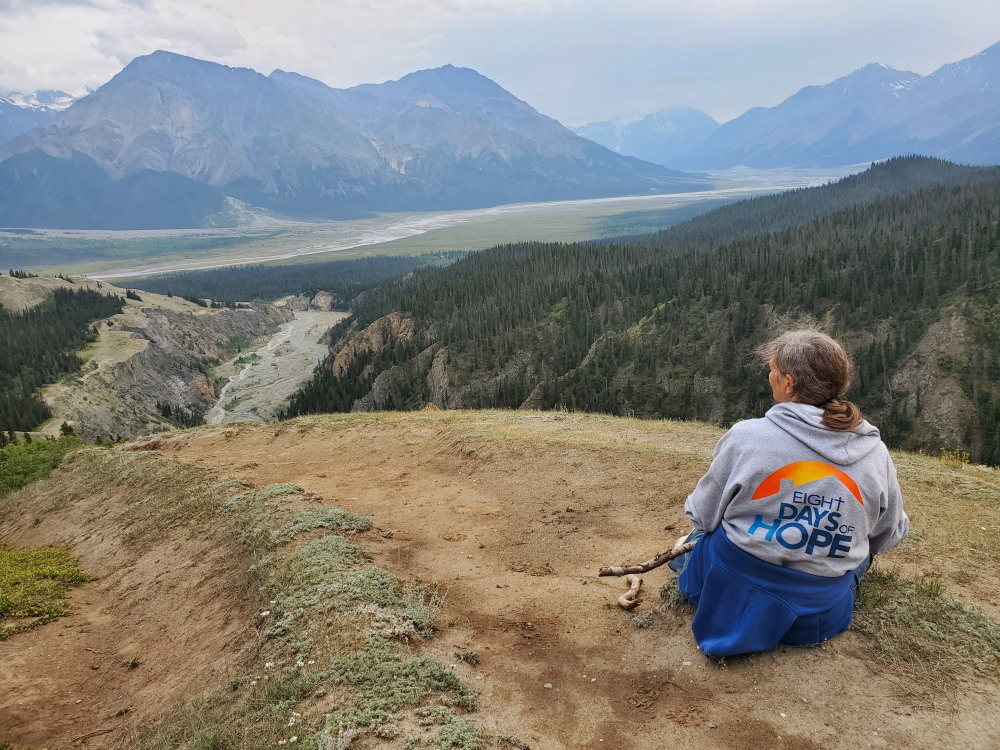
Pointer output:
20, 112
872, 114
435, 139
172, 141
662, 137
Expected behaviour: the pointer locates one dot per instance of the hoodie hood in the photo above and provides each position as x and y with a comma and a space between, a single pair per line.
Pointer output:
804, 422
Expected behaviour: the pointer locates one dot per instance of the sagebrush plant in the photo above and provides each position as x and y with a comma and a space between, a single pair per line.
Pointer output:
334, 630
324, 517
671, 595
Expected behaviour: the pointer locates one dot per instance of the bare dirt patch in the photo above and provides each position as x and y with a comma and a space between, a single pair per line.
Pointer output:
513, 514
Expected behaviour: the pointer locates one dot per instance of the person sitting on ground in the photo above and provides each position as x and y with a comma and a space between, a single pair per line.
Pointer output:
792, 509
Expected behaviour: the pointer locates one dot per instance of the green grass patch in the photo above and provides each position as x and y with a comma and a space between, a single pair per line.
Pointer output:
33, 587
919, 632
22, 464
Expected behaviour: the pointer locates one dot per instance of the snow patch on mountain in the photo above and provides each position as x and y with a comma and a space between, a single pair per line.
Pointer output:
52, 101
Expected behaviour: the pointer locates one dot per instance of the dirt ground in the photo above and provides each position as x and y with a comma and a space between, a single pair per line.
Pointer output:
513, 514
154, 627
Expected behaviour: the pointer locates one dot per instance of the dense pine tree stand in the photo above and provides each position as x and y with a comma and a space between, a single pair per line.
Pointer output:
39, 346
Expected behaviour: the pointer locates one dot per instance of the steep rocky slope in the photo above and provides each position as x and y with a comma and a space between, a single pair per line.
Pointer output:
156, 356
158, 352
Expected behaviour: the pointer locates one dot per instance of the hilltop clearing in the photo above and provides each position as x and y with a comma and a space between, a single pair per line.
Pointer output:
507, 516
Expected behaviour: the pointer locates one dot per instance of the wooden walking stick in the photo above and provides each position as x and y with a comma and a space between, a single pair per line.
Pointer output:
630, 598
678, 549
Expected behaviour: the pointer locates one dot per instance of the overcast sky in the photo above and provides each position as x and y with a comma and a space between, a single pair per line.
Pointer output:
576, 60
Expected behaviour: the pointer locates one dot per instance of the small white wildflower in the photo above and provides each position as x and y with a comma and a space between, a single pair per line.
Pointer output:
300, 663
311, 661
268, 664
296, 714
253, 682
265, 613
281, 742
291, 721
293, 739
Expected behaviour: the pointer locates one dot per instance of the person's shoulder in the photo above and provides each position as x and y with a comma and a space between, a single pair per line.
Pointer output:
749, 429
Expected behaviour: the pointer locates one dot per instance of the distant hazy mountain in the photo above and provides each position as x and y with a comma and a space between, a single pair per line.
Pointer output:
20, 112
814, 126
874, 113
444, 138
661, 137
954, 113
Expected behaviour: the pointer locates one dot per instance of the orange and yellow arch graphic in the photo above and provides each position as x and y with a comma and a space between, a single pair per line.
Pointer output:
803, 472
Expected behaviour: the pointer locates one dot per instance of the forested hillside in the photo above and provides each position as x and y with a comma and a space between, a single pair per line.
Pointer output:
39, 345
665, 326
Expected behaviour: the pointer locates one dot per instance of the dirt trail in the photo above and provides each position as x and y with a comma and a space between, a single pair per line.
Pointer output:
513, 514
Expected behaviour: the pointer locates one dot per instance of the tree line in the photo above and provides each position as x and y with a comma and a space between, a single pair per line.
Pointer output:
344, 279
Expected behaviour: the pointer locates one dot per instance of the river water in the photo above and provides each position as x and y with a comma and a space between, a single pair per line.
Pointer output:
261, 381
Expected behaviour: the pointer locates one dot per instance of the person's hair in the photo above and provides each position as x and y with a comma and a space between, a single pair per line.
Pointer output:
821, 373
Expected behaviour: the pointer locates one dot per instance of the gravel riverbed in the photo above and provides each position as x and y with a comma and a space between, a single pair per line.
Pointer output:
260, 381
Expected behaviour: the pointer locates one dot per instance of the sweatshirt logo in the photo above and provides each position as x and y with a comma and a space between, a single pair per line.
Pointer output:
803, 472
811, 522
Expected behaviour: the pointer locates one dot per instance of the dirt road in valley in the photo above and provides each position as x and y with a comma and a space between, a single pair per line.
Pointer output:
261, 380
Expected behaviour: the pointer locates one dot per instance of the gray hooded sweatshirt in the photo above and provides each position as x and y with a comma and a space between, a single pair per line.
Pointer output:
794, 493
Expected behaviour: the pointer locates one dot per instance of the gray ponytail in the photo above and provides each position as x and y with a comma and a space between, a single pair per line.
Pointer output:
821, 373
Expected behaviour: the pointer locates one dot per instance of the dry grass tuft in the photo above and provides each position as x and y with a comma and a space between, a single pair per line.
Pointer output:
917, 632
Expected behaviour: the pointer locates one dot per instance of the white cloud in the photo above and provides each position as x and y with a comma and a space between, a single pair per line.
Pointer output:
197, 28
577, 60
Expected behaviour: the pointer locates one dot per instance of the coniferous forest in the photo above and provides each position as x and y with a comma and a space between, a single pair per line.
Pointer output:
39, 346
664, 326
